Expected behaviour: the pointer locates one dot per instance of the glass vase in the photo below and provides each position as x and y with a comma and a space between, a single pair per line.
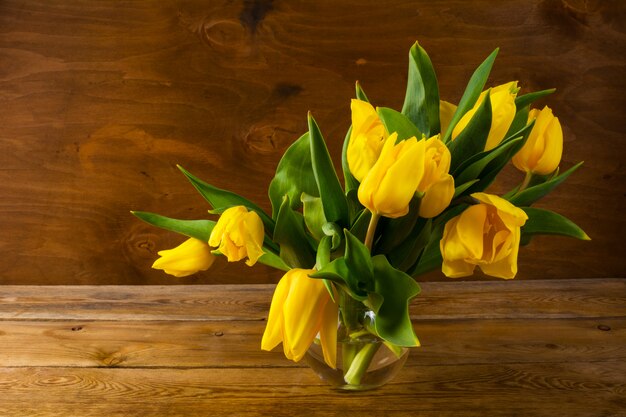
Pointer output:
364, 360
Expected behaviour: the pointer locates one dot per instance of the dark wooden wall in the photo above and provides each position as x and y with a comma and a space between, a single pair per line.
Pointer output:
100, 99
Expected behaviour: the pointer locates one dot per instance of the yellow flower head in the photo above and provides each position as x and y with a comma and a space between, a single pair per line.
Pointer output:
436, 183
301, 308
366, 138
389, 186
237, 234
503, 110
486, 234
191, 256
541, 154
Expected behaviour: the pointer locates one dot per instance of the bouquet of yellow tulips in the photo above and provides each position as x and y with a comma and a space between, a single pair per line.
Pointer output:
412, 200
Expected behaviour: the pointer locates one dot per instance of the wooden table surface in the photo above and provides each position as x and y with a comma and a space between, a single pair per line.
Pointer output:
518, 348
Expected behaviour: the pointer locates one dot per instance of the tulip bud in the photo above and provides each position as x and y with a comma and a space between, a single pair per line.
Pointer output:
366, 139
503, 110
191, 256
391, 183
486, 234
436, 183
301, 308
541, 154
237, 234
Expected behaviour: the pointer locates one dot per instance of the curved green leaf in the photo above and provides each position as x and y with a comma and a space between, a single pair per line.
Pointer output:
531, 194
330, 191
313, 215
527, 99
393, 291
220, 200
472, 139
546, 222
293, 176
395, 121
472, 92
290, 234
198, 229
421, 102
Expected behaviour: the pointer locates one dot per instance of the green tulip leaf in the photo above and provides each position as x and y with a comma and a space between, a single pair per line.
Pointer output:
527, 99
546, 222
531, 194
405, 255
335, 233
473, 170
351, 183
290, 234
463, 187
397, 122
274, 261
323, 258
519, 122
430, 257
313, 215
360, 225
354, 270
421, 102
393, 291
395, 231
472, 92
360, 94
220, 200
198, 229
472, 139
293, 176
332, 195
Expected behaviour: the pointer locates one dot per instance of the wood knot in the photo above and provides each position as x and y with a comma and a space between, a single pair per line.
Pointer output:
226, 36
261, 139
604, 327
77, 328
218, 334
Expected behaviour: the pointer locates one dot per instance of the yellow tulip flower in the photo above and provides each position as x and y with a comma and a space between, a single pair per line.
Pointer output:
366, 138
486, 234
301, 308
436, 183
390, 184
191, 256
503, 111
237, 234
541, 154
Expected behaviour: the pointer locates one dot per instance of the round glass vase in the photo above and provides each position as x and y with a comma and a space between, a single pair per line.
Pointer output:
364, 360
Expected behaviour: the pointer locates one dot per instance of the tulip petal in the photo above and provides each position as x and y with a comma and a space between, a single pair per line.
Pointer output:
273, 334
437, 197
191, 256
328, 333
553, 149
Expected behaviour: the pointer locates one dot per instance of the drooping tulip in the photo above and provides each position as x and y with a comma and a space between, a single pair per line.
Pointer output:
191, 256
238, 234
390, 184
502, 99
301, 308
541, 154
436, 184
486, 235
366, 138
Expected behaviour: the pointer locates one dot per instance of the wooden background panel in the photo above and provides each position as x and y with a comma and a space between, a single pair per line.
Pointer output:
100, 101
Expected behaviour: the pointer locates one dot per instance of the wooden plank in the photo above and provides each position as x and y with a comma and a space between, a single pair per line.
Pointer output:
445, 300
583, 389
237, 343
101, 99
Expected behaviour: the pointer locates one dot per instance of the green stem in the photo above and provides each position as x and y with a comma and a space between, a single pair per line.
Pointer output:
525, 183
371, 231
360, 363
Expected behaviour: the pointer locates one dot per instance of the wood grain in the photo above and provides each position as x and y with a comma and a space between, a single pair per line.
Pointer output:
100, 100
166, 350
